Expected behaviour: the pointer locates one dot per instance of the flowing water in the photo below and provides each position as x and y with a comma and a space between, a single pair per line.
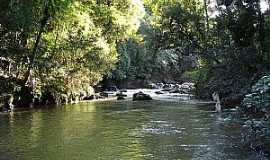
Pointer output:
120, 130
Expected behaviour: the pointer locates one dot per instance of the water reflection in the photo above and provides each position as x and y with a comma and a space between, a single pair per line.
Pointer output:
119, 130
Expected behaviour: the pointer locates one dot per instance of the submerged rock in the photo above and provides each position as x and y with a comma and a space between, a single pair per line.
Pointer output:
159, 92
120, 96
140, 96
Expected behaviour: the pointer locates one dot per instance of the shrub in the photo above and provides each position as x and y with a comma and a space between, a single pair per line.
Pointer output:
256, 107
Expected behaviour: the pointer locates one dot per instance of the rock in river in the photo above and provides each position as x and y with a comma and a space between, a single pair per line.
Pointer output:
140, 96
159, 92
120, 96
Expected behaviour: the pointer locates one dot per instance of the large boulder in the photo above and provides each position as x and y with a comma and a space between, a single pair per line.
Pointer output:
140, 96
121, 96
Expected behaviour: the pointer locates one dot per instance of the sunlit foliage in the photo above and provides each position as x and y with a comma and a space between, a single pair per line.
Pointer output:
64, 45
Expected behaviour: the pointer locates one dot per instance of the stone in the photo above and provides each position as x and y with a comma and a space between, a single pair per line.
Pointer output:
104, 94
140, 96
159, 92
120, 98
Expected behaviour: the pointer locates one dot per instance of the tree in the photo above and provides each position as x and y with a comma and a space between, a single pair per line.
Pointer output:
64, 45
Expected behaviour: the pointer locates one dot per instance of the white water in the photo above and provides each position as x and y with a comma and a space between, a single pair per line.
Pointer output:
166, 96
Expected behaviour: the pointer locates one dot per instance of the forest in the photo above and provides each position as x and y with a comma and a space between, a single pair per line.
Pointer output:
51, 51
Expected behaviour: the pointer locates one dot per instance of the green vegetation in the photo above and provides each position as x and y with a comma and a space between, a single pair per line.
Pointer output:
256, 108
166, 44
54, 50
61, 47
178, 41
239, 47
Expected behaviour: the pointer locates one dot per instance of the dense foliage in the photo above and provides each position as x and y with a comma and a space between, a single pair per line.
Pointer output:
62, 46
256, 107
229, 51
166, 44
237, 52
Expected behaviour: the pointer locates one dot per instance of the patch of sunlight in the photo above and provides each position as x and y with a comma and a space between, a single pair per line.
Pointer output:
101, 43
264, 5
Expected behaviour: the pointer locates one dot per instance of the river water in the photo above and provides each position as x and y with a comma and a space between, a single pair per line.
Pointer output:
120, 130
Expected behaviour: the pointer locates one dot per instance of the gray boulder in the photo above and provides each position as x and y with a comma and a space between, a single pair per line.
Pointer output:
121, 96
140, 96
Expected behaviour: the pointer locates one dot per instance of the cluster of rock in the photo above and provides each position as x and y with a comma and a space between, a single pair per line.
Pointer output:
121, 94
49, 98
184, 88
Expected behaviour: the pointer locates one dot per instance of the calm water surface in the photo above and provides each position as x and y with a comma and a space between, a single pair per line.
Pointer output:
119, 130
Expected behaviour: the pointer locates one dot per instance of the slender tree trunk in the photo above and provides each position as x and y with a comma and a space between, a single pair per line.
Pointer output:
34, 51
261, 31
206, 15
205, 48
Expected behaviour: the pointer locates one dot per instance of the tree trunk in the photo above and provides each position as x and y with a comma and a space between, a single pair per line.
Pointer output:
34, 51
206, 15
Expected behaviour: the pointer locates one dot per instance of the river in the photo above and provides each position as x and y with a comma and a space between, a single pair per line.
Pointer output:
120, 130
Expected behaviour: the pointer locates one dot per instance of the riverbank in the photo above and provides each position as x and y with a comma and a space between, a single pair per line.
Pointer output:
112, 96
